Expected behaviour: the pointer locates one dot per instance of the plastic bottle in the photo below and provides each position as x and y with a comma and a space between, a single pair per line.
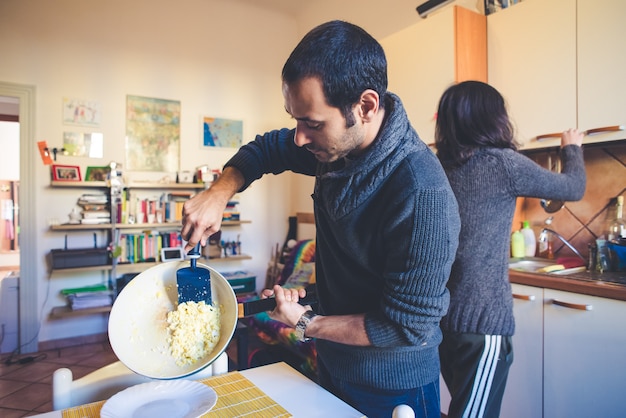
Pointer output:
517, 245
617, 228
530, 241
544, 242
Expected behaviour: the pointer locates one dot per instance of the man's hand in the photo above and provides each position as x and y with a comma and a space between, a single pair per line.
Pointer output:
288, 310
202, 214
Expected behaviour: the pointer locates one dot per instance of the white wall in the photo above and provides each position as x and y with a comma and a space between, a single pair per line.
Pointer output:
218, 58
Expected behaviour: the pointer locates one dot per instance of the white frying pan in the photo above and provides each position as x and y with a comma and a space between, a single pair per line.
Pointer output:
138, 326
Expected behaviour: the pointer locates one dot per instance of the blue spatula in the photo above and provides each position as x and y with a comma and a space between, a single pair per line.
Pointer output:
194, 282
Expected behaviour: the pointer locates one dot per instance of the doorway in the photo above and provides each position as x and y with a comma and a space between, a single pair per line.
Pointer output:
9, 222
28, 314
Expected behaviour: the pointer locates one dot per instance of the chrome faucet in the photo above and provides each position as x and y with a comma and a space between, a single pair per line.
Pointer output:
564, 241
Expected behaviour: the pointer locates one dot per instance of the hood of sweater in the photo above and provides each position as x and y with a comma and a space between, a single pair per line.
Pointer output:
365, 174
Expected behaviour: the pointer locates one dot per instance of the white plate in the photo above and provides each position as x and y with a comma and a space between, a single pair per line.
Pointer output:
138, 325
170, 398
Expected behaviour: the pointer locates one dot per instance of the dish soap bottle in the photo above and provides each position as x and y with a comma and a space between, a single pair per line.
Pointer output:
544, 242
530, 241
517, 245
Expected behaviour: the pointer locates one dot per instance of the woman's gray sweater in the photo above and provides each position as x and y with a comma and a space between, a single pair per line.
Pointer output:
486, 188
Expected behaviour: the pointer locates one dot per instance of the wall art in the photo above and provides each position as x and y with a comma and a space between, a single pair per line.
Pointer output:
79, 144
220, 132
97, 173
65, 173
152, 134
81, 112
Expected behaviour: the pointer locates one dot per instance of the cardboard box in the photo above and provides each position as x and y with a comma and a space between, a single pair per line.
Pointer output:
241, 281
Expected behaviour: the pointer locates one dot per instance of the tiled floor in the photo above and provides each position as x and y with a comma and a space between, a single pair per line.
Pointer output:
26, 389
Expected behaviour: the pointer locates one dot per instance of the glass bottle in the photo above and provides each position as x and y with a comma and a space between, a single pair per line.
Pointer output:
617, 228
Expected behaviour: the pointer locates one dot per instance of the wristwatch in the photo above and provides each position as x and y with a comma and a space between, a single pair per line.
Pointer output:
303, 322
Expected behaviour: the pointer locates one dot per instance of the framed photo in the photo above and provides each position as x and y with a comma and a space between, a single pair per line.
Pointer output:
97, 173
66, 173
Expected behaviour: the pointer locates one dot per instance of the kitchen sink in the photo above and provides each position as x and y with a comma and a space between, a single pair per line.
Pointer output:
529, 264
535, 265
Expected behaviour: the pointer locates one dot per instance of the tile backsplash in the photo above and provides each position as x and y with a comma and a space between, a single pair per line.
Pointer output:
583, 221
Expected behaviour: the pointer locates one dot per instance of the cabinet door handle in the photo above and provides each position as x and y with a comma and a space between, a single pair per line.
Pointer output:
579, 306
614, 128
548, 136
523, 297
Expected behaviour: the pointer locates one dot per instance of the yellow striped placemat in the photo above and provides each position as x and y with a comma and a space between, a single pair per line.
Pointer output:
236, 397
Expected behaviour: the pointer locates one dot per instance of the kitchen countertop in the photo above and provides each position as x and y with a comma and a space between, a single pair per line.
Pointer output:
610, 285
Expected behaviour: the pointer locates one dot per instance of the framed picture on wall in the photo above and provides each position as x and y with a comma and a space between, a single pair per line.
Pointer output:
65, 173
97, 173
220, 132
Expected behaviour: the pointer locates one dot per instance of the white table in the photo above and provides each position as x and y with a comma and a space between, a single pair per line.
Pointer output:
291, 390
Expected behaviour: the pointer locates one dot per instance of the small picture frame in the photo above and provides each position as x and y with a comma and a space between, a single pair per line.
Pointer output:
172, 254
65, 173
97, 173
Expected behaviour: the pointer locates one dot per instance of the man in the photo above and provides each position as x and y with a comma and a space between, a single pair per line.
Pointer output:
386, 223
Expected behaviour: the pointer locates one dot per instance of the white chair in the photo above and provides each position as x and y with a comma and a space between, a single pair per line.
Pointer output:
107, 381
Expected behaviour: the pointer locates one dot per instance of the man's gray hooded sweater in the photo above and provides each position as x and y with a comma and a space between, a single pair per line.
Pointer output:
387, 227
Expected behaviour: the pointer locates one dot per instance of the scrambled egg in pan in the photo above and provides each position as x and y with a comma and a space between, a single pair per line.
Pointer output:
194, 331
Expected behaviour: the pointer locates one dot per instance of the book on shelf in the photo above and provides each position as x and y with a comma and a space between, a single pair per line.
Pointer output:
88, 300
167, 207
92, 214
231, 212
146, 246
85, 297
95, 221
93, 198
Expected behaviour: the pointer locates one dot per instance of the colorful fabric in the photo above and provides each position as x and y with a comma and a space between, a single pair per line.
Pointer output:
273, 332
302, 252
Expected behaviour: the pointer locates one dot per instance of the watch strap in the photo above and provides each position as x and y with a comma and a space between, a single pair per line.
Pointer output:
302, 323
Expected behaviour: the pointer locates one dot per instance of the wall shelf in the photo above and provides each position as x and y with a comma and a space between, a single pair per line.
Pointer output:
116, 269
164, 225
79, 184
60, 312
133, 185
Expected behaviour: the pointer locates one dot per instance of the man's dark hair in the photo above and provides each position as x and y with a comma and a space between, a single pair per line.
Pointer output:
471, 115
346, 59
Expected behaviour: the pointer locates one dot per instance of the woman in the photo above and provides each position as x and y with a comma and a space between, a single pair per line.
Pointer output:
475, 144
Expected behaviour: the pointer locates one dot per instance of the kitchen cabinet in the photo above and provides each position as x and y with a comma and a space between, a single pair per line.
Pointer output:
426, 58
524, 388
558, 63
601, 63
532, 63
568, 355
584, 362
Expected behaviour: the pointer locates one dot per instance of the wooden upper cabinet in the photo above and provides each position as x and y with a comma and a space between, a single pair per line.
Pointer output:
426, 58
560, 64
601, 67
532, 63
470, 41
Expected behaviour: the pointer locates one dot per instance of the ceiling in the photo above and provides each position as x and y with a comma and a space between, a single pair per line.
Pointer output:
379, 18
